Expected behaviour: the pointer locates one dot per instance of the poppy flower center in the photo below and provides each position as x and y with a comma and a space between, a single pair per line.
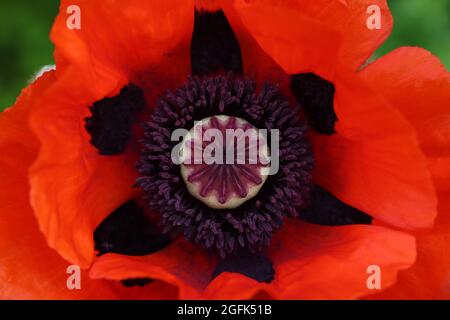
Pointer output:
224, 161
225, 207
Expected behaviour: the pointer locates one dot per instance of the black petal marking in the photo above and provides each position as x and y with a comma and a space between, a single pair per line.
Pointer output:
136, 282
255, 266
214, 46
316, 96
111, 120
128, 231
325, 209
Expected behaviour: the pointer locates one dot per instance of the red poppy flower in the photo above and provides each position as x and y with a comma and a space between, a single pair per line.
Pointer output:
379, 137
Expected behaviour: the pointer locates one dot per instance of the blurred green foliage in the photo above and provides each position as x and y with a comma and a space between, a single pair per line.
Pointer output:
24, 43
422, 23
25, 46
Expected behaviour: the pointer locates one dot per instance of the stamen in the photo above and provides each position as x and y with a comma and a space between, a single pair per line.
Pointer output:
250, 225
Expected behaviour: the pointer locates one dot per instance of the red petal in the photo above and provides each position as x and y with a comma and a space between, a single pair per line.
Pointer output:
311, 262
429, 278
257, 64
316, 35
73, 188
146, 42
374, 162
297, 42
316, 262
417, 84
29, 268
180, 264
156, 290
358, 41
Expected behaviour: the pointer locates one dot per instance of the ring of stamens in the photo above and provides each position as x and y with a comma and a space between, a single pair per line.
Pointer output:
250, 225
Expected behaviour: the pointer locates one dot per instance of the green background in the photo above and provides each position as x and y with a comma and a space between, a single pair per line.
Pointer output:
25, 45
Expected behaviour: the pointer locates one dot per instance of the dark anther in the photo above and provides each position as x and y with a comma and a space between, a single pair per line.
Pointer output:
112, 118
136, 282
128, 231
255, 266
316, 96
214, 46
325, 209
